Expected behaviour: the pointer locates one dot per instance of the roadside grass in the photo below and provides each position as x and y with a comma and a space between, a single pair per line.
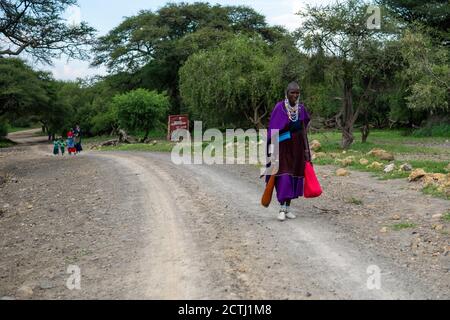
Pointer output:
379, 136
96, 139
160, 146
393, 141
354, 201
17, 129
435, 192
155, 134
403, 225
6, 143
446, 217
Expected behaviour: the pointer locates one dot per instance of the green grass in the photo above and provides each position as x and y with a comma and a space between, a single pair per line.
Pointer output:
446, 217
403, 225
17, 129
354, 201
393, 141
390, 141
441, 130
97, 139
153, 134
160, 146
433, 191
396, 136
5, 143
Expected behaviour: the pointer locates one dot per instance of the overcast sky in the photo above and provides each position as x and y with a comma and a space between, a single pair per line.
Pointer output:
104, 15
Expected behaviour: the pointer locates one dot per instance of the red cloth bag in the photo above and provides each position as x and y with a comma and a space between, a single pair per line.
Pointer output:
312, 187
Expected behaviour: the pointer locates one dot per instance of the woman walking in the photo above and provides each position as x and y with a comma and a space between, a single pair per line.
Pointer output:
291, 119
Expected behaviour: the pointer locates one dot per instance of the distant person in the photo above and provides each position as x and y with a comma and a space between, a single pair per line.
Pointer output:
77, 138
55, 147
291, 118
70, 143
62, 145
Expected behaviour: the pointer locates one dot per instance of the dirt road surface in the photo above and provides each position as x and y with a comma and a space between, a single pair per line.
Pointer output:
137, 226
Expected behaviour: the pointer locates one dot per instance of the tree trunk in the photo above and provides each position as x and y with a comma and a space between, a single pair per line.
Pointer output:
365, 133
147, 131
365, 128
348, 116
123, 136
347, 106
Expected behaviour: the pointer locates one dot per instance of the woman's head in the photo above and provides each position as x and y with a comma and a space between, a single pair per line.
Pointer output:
293, 93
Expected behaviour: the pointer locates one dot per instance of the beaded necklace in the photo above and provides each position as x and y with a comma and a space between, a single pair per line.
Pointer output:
292, 112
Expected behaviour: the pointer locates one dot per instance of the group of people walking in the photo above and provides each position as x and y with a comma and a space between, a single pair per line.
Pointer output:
73, 142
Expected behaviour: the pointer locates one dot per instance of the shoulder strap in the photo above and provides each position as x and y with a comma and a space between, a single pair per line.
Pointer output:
305, 139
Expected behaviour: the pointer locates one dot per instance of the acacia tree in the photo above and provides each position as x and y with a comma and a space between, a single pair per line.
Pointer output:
155, 45
37, 27
340, 30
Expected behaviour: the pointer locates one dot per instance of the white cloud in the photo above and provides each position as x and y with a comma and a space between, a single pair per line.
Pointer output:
75, 69
289, 19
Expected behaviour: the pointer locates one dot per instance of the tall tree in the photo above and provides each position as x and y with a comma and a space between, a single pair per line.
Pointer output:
37, 27
340, 30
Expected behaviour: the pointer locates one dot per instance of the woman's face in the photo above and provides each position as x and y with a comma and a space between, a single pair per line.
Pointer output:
293, 95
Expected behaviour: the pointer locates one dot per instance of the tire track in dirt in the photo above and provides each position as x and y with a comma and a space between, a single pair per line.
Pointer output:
171, 266
262, 257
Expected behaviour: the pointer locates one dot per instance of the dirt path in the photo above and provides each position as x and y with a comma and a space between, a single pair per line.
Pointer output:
27, 137
140, 227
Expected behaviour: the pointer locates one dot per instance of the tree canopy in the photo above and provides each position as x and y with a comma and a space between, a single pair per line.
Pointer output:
162, 41
37, 27
140, 110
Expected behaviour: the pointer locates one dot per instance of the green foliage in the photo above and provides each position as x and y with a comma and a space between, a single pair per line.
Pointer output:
429, 71
154, 45
5, 143
140, 109
434, 14
3, 129
358, 56
21, 87
38, 28
237, 83
161, 34
441, 130
232, 67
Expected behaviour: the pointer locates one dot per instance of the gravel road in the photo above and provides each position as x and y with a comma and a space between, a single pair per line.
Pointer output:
140, 227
